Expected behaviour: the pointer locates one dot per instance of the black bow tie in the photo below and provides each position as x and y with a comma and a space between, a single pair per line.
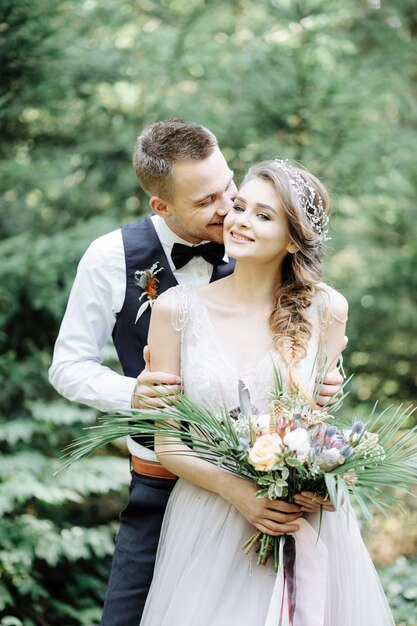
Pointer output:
212, 252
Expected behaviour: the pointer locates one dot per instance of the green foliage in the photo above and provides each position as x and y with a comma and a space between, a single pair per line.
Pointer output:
57, 533
328, 83
36, 274
399, 581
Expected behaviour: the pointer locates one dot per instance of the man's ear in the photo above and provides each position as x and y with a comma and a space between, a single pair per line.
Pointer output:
159, 206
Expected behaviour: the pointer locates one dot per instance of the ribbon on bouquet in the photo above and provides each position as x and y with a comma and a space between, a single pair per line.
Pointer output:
299, 594
282, 605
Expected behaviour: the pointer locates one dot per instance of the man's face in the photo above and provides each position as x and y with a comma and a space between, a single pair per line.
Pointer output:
203, 193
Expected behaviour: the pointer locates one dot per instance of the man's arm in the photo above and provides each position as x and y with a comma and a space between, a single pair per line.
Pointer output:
96, 297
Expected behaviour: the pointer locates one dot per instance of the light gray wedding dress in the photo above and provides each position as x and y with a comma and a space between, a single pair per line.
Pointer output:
202, 577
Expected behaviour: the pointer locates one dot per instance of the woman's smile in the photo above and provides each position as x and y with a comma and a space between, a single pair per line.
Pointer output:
239, 237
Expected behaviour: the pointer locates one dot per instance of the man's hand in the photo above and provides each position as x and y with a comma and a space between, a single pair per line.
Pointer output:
269, 516
309, 502
330, 388
332, 383
154, 389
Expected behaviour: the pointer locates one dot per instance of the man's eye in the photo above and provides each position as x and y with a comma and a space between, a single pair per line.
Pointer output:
207, 201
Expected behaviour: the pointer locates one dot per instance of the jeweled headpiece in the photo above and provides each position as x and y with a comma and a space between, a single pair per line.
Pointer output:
311, 202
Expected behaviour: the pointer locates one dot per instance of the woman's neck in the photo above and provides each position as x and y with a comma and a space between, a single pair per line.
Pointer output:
254, 282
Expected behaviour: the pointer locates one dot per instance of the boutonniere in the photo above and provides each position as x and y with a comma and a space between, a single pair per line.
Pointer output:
147, 280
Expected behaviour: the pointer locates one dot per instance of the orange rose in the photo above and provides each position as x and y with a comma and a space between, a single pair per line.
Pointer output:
152, 287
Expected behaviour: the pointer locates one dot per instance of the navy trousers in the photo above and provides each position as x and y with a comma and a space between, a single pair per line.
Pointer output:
134, 557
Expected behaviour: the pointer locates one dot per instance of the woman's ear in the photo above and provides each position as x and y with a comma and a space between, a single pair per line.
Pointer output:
292, 247
159, 206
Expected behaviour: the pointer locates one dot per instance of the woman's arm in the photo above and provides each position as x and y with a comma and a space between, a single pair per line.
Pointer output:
271, 516
336, 326
334, 342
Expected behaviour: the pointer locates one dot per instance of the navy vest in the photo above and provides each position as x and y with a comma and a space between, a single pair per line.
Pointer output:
142, 249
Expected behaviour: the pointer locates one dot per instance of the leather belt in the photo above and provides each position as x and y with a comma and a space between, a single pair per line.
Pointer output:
150, 468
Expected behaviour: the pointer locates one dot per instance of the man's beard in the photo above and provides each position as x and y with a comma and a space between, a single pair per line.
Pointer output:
211, 232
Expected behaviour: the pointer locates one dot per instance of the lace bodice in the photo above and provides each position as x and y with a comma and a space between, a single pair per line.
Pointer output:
209, 378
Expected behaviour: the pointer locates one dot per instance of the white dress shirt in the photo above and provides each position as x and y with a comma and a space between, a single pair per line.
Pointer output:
97, 296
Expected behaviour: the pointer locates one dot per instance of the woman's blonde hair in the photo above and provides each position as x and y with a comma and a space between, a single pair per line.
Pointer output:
305, 201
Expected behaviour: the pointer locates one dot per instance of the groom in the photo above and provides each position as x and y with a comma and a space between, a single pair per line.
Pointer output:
180, 166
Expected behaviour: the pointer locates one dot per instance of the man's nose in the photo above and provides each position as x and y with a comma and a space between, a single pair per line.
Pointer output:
224, 208
225, 205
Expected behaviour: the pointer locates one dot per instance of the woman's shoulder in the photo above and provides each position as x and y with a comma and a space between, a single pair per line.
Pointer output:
174, 304
168, 299
336, 303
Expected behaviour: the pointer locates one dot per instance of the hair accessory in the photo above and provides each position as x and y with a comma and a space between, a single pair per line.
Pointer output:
311, 202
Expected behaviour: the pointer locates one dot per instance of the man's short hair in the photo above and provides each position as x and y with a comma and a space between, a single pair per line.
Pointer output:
164, 143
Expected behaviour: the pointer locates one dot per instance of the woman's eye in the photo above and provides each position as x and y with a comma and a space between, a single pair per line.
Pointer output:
238, 207
264, 216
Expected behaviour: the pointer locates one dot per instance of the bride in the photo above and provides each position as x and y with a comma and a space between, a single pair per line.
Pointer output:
273, 310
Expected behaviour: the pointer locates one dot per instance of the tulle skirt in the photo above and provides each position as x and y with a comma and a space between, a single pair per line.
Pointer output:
203, 578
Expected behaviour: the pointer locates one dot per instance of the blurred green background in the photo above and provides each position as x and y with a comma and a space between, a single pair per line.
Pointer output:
330, 83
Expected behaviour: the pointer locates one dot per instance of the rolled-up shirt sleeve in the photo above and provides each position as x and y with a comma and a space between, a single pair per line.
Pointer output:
96, 297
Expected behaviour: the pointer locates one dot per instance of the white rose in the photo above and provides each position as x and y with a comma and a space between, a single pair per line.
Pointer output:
329, 459
263, 454
350, 436
262, 423
298, 441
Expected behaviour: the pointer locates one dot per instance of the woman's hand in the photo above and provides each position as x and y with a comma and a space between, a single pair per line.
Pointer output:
273, 517
309, 502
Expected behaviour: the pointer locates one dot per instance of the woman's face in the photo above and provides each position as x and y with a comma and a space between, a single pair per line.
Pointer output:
257, 226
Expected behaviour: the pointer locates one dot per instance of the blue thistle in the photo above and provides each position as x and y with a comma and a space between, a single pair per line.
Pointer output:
346, 451
358, 427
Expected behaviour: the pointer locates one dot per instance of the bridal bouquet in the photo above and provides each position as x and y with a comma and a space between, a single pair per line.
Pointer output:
295, 447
